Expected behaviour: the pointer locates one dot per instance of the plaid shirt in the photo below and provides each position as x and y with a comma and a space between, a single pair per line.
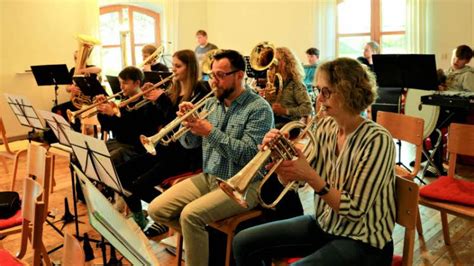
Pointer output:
236, 132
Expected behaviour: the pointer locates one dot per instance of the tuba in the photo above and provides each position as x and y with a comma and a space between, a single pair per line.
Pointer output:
86, 44
263, 57
280, 149
207, 61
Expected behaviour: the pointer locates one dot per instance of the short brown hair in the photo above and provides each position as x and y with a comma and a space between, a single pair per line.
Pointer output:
148, 49
352, 81
201, 32
464, 52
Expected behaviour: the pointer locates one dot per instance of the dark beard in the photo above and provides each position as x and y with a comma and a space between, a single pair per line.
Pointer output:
226, 94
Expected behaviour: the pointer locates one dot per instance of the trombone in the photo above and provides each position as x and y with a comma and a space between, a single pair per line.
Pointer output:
278, 150
143, 92
169, 134
154, 56
73, 115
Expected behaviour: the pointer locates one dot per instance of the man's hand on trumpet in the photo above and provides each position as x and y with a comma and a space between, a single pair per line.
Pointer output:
106, 108
152, 95
197, 126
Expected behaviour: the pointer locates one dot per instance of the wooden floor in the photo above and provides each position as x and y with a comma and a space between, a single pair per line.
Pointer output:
430, 250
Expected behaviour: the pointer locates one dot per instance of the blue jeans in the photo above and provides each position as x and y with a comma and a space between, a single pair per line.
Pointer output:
302, 237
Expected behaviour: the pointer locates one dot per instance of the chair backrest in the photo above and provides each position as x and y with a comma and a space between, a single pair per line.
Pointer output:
407, 212
460, 141
406, 128
32, 190
40, 166
73, 253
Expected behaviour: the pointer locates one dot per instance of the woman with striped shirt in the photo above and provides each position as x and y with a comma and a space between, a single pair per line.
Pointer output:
353, 178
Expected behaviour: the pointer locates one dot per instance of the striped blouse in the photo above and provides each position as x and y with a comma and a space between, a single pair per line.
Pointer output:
364, 173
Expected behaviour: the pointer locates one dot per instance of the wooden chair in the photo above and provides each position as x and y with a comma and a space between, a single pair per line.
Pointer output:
73, 253
407, 212
460, 141
8, 152
227, 226
33, 212
408, 129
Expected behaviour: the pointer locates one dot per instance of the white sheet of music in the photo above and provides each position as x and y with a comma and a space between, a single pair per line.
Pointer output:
122, 233
94, 158
24, 111
54, 121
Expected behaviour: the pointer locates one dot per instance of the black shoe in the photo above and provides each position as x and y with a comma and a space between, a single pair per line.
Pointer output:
156, 229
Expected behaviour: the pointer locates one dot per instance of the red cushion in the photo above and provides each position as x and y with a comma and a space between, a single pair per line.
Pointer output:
15, 220
7, 259
451, 190
397, 260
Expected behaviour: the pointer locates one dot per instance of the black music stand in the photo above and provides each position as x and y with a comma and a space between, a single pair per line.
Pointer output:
47, 75
89, 85
114, 84
400, 71
25, 113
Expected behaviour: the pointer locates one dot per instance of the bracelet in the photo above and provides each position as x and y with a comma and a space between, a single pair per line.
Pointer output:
324, 190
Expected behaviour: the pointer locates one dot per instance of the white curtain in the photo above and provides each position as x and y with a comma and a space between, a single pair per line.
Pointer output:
325, 26
418, 26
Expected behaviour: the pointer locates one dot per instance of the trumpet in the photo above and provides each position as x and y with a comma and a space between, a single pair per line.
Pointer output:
278, 150
143, 92
169, 134
154, 56
73, 115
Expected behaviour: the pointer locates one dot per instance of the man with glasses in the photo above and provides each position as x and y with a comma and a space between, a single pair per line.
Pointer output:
229, 137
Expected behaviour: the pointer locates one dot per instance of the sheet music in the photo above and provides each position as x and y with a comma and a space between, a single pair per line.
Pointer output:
123, 234
58, 124
94, 158
24, 111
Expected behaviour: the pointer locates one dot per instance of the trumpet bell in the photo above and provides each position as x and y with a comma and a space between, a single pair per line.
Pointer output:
233, 192
148, 144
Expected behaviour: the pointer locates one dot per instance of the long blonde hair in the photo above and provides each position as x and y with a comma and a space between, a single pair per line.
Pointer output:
293, 68
188, 58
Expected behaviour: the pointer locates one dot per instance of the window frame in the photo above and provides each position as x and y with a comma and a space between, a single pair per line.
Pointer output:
131, 9
375, 33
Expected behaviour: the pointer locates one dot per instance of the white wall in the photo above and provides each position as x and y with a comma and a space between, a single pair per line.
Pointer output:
38, 33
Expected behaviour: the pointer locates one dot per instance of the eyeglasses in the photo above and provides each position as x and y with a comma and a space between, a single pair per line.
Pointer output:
325, 91
220, 75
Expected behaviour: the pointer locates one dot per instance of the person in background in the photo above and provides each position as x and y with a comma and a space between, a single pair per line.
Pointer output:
312, 54
352, 176
153, 64
73, 89
460, 76
203, 45
370, 49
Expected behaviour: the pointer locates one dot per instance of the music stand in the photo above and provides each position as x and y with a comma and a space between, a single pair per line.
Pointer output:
121, 233
47, 75
114, 84
25, 113
94, 159
89, 85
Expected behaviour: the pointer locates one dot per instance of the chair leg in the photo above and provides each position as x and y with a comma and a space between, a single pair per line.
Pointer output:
15, 168
444, 222
228, 249
419, 226
179, 249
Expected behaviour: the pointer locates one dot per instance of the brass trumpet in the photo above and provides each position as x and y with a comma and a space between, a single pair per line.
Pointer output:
278, 150
154, 56
143, 92
73, 115
169, 134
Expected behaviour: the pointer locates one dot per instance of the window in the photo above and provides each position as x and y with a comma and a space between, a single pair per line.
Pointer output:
360, 21
124, 30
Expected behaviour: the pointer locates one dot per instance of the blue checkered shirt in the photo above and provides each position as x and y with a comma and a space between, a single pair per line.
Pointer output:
235, 135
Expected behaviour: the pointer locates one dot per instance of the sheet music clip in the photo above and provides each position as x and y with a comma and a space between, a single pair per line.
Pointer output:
47, 75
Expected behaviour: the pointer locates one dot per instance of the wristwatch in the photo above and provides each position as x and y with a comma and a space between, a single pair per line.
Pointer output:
324, 190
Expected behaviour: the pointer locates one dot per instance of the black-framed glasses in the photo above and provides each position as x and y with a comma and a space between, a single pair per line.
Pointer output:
325, 91
220, 75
